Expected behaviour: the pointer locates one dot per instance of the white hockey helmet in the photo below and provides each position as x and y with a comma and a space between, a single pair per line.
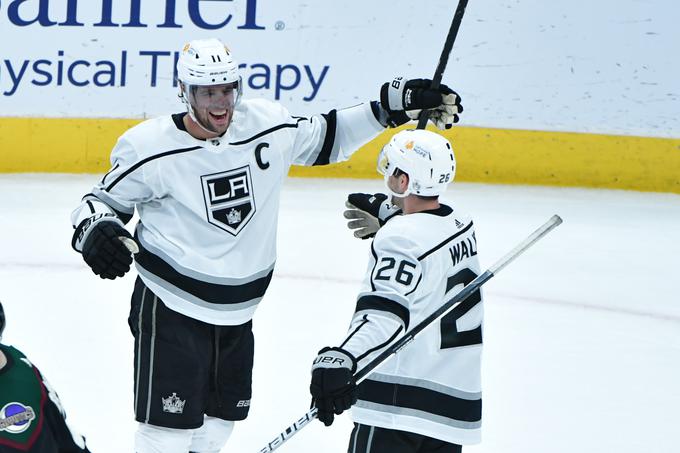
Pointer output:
426, 157
206, 62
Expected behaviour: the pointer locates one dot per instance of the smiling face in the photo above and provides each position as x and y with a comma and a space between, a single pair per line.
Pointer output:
212, 106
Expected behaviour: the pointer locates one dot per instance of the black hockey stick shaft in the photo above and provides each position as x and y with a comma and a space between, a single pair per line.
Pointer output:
473, 286
444, 58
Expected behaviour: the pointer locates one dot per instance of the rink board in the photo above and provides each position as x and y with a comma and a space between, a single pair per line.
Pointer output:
68, 145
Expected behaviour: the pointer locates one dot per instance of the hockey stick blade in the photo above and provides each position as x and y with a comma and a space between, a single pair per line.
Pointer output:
408, 337
444, 57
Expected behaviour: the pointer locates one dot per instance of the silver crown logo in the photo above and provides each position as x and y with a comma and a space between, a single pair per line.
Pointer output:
233, 216
173, 404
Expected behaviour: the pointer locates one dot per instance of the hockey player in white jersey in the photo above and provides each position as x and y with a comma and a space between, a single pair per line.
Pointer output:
426, 398
206, 185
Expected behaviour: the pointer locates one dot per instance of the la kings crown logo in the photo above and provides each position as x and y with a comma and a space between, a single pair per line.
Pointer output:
229, 199
173, 404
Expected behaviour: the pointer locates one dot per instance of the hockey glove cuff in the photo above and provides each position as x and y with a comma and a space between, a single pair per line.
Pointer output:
333, 387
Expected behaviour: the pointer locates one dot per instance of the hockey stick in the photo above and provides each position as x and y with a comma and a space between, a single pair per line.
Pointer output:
444, 58
473, 286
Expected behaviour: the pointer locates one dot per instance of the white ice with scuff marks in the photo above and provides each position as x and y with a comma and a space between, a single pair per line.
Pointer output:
582, 339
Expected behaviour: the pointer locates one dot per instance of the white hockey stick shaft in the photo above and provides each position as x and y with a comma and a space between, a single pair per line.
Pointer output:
473, 286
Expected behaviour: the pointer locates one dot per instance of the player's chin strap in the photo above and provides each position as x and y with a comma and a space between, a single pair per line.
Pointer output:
408, 337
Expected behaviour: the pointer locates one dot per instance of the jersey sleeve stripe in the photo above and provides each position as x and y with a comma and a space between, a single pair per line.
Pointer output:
382, 313
372, 302
375, 259
105, 198
349, 337
324, 156
124, 215
313, 154
443, 243
110, 171
380, 346
267, 131
144, 161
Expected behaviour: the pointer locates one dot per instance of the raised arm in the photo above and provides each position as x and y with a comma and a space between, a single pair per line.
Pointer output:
334, 136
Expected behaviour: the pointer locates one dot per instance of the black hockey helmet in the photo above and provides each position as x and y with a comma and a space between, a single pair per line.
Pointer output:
2, 320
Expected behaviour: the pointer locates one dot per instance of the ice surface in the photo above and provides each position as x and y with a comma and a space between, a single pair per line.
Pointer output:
582, 339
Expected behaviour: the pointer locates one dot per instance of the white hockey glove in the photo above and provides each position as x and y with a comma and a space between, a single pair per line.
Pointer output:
367, 213
403, 100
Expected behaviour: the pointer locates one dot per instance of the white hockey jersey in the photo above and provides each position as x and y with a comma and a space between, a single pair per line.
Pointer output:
432, 386
208, 209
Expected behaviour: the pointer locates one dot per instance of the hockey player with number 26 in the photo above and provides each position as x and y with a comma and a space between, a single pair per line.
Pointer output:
426, 398
206, 185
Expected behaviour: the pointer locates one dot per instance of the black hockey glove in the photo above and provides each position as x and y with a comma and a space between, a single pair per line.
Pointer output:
367, 213
106, 246
403, 101
333, 387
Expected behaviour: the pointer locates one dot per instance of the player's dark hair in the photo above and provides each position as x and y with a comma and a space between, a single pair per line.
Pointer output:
398, 172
